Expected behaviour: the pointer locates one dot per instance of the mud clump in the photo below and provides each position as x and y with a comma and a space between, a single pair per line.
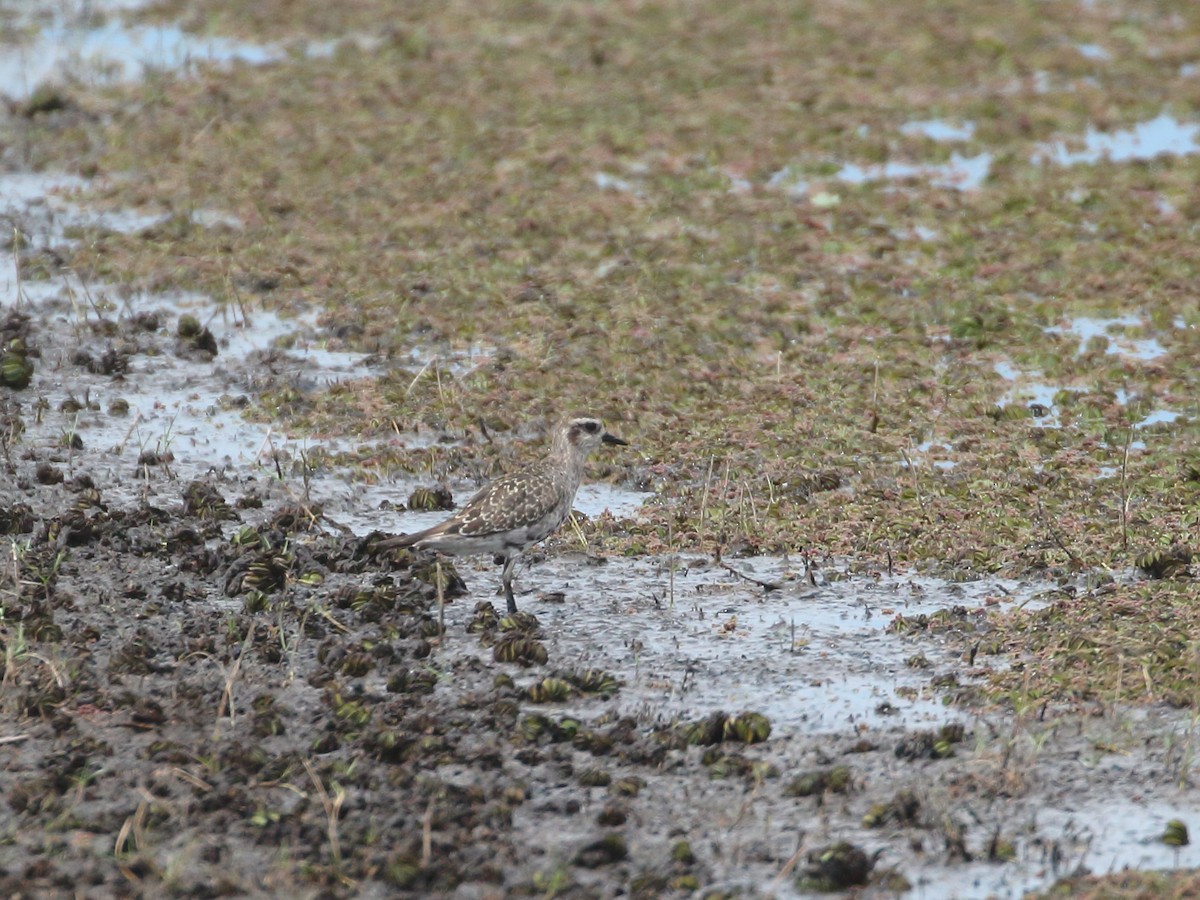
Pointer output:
431, 499
903, 809
123, 659
1175, 561
747, 728
196, 661
931, 744
194, 341
16, 369
607, 850
48, 474
108, 362
835, 868
835, 780
16, 364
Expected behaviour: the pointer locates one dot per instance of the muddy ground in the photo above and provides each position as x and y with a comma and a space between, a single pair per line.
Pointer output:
210, 691
213, 686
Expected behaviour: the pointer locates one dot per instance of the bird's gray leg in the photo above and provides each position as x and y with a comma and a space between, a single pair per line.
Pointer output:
506, 579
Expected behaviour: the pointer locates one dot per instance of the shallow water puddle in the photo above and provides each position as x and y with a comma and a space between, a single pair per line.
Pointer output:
962, 173
812, 658
1158, 417
177, 404
1088, 327
92, 43
607, 182
820, 663
940, 129
1027, 388
1163, 135
456, 361
1098, 836
1093, 51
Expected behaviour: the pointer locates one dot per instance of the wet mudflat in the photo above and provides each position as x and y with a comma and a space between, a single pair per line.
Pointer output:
212, 689
892, 595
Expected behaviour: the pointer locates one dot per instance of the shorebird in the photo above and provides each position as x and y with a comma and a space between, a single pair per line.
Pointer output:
520, 509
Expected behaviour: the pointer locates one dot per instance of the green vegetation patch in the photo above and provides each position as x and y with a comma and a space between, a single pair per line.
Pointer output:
1173, 885
1124, 643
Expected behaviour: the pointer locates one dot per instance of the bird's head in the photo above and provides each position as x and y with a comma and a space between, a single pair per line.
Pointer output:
583, 434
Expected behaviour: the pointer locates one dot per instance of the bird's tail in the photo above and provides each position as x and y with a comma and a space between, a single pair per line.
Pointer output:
401, 540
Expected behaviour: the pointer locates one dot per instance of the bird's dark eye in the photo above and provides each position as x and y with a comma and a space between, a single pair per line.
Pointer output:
591, 427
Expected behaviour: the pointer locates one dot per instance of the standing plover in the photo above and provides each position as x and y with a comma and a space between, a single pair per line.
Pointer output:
516, 511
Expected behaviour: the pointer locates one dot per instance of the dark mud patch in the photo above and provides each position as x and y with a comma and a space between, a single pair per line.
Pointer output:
161, 735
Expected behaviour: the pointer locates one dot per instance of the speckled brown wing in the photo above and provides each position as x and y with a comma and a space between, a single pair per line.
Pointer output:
523, 499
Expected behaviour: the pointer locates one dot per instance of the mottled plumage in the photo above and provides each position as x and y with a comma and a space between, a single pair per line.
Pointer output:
517, 510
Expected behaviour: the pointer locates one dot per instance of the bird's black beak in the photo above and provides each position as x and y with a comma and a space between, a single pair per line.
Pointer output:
613, 439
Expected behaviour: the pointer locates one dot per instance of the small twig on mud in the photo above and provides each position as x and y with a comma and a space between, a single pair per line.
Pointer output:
129, 432
441, 598
6, 438
134, 825
17, 583
671, 551
14, 739
578, 529
427, 833
1125, 493
1054, 536
328, 617
741, 505
412, 384
787, 868
16, 253
916, 481
745, 808
266, 442
204, 128
767, 586
231, 288
58, 678
874, 426
87, 295
332, 807
704, 499
305, 477
194, 780
227, 694
753, 506
70, 440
